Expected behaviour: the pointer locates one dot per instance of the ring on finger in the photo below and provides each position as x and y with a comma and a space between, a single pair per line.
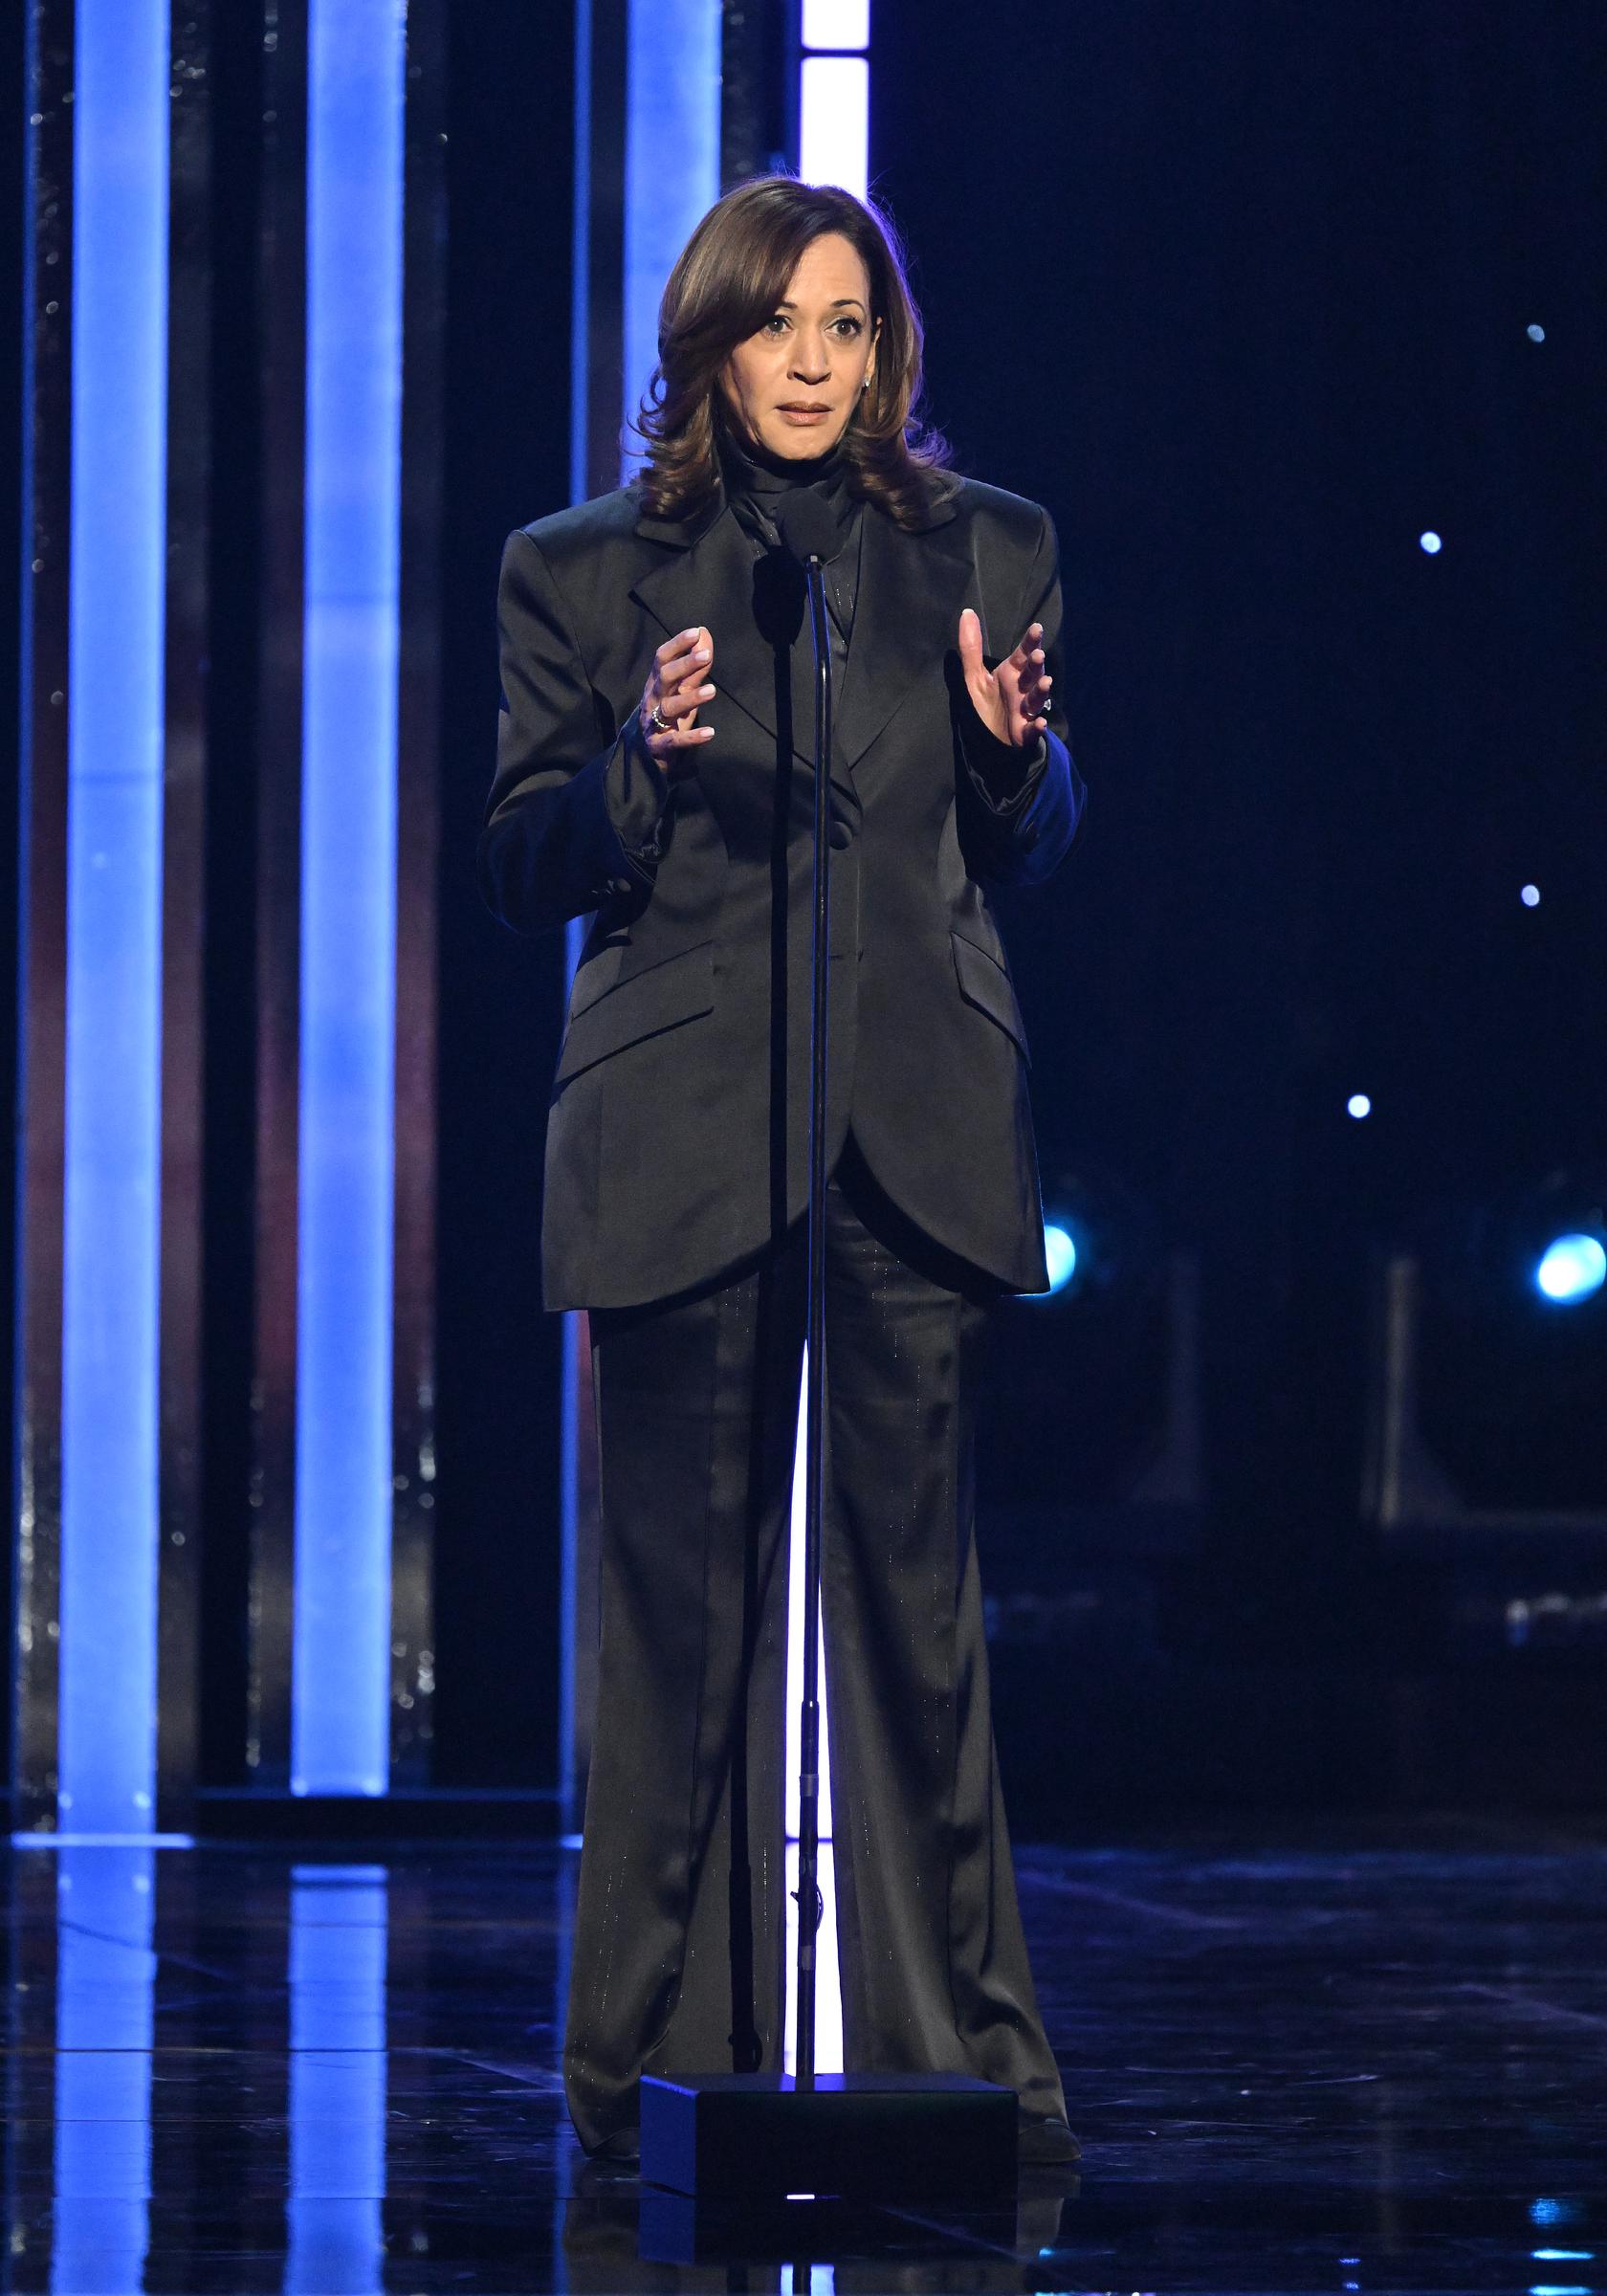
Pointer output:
660, 721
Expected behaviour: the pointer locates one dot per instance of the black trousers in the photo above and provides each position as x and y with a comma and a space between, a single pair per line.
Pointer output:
679, 1953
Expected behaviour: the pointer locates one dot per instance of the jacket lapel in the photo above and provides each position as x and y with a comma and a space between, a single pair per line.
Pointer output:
912, 587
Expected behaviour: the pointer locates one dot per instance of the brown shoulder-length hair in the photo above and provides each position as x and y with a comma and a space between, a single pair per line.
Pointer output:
730, 276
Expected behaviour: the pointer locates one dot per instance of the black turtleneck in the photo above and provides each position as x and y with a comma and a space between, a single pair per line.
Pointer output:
754, 479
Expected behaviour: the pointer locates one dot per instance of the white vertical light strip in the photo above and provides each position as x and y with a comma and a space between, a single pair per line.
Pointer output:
115, 701
835, 120
672, 163
836, 23
834, 147
795, 1636
356, 63
829, 1994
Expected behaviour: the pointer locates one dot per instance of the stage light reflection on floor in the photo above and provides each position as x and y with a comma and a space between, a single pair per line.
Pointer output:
338, 2080
229, 2068
105, 1974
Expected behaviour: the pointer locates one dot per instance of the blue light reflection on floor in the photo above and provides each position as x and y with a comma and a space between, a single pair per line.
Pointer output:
109, 1529
339, 1930
355, 65
104, 2018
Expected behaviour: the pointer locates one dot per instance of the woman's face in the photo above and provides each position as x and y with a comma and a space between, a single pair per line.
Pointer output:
815, 353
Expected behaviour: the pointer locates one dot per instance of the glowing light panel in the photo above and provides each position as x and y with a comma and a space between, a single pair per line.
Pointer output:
109, 1364
835, 122
355, 81
836, 23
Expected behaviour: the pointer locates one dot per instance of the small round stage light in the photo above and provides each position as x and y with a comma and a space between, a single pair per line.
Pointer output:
1061, 1252
1358, 1106
1531, 896
1430, 541
1572, 1269
1535, 334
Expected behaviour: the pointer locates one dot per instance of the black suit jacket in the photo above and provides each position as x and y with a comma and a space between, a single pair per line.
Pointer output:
677, 1138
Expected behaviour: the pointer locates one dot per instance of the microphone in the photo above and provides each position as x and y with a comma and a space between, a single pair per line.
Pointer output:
806, 525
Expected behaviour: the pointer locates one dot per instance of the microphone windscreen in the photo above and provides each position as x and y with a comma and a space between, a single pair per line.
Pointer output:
808, 525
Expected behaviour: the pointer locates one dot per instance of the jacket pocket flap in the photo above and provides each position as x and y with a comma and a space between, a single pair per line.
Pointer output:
680, 988
985, 983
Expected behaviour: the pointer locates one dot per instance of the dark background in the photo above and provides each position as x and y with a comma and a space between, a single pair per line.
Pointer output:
510, 158
1241, 295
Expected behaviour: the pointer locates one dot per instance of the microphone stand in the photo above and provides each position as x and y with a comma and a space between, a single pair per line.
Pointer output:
810, 1903
761, 2137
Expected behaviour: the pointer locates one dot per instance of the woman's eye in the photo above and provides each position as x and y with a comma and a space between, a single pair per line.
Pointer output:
779, 319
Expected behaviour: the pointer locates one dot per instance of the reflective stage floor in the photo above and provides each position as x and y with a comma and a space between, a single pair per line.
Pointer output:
1367, 2065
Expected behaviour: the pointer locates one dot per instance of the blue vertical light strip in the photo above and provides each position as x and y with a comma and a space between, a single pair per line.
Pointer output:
580, 261
109, 1369
105, 1977
671, 161
356, 67
338, 1932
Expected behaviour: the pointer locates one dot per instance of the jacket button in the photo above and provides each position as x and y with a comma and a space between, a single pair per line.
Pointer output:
842, 836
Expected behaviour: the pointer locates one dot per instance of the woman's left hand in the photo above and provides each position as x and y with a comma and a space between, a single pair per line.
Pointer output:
1013, 701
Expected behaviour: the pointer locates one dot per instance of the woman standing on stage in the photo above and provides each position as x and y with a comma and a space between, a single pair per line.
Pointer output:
655, 765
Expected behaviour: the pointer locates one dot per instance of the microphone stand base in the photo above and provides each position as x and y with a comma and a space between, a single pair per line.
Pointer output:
858, 2136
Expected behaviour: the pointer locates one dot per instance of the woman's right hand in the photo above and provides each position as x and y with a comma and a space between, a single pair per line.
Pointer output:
675, 688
